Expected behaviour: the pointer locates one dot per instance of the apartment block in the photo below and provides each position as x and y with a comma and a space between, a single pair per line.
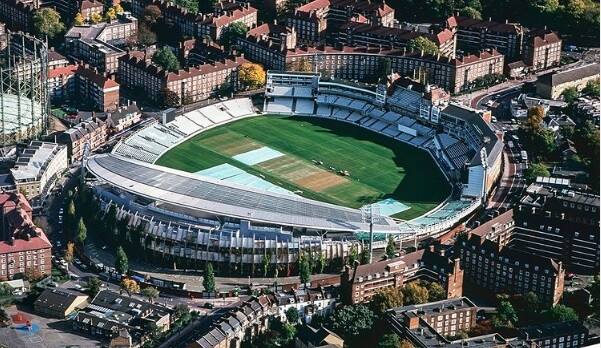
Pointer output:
551, 85
92, 132
267, 44
559, 224
358, 34
556, 335
24, 248
38, 167
189, 84
87, 8
312, 20
474, 35
99, 44
490, 262
226, 13
17, 14
360, 283
542, 49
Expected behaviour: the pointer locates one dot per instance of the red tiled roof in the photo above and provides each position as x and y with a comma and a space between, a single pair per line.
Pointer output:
98, 79
35, 243
230, 16
544, 37
314, 5
62, 71
205, 69
17, 216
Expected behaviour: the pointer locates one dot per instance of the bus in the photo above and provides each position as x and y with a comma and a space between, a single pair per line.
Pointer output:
524, 156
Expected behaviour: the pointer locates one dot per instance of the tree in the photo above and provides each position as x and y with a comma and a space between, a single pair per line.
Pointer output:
118, 9
47, 22
265, 264
389, 341
506, 315
207, 6
351, 321
527, 307
95, 18
234, 31
208, 279
593, 288
146, 36
414, 293
151, 14
169, 98
110, 14
471, 13
386, 299
390, 248
93, 285
70, 252
535, 170
304, 270
180, 310
592, 88
190, 5
436, 292
534, 121
424, 44
322, 262
121, 262
78, 20
303, 65
251, 75
570, 94
292, 315
405, 343
130, 286
82, 232
150, 292
166, 59
560, 313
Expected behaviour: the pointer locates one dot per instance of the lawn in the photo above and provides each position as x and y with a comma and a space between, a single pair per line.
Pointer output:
379, 167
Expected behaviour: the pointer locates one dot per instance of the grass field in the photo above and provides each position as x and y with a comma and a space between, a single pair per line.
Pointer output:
379, 167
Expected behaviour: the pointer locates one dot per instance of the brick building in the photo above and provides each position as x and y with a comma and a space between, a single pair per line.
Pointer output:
312, 20
81, 83
226, 13
189, 84
92, 132
24, 248
87, 8
357, 34
542, 49
474, 35
551, 85
559, 224
99, 44
17, 14
490, 262
360, 283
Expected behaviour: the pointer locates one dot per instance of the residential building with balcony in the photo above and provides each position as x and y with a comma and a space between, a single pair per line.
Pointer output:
474, 35
542, 49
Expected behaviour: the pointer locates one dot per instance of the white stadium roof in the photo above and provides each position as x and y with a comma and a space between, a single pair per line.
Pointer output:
216, 197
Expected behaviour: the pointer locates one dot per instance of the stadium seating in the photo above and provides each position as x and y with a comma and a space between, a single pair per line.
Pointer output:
280, 105
304, 106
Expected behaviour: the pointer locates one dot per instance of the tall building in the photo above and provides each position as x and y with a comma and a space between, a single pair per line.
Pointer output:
490, 262
474, 35
542, 49
559, 224
24, 249
360, 283
92, 132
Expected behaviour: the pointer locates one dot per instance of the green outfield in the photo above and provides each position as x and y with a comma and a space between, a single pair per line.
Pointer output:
320, 159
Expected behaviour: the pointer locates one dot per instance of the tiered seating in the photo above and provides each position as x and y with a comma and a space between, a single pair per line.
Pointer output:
354, 117
135, 153
198, 118
447, 211
379, 126
282, 91
215, 114
239, 107
391, 117
357, 105
406, 121
375, 112
283, 105
305, 92
184, 125
391, 131
342, 101
304, 106
340, 114
324, 110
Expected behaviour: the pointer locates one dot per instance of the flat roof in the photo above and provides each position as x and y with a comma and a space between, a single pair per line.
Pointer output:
214, 196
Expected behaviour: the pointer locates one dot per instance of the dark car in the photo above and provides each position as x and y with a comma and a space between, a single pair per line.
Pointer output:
208, 305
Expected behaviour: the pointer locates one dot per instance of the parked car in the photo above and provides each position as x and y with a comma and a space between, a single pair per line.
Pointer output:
208, 305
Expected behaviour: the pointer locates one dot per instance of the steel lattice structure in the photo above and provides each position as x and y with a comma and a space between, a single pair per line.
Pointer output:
24, 103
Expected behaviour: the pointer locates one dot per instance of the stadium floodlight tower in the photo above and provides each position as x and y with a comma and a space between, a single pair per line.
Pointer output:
483, 159
368, 214
24, 103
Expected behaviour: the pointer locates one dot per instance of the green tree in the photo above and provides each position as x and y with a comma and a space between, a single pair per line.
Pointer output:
592, 88
506, 315
535, 170
351, 321
265, 263
353, 255
110, 14
169, 98
292, 315
151, 293
78, 20
190, 5
386, 299
151, 14
436, 292
594, 289
166, 59
560, 313
121, 262
82, 232
322, 262
70, 219
207, 6
47, 22
570, 94
413, 293
93, 286
234, 31
389, 341
390, 248
527, 307
471, 12
424, 44
208, 280
181, 310
304, 270
130, 286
